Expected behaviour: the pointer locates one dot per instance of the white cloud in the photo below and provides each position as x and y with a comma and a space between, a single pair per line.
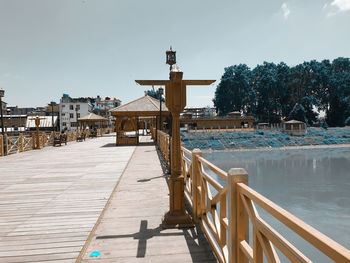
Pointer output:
336, 6
285, 10
342, 5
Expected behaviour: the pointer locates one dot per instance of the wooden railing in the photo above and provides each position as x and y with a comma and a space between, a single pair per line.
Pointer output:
21, 143
163, 140
224, 208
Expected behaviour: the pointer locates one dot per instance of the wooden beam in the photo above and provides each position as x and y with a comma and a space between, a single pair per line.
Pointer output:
198, 82
152, 82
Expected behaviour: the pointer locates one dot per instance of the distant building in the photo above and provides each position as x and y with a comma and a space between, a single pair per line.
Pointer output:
4, 105
45, 122
294, 127
15, 110
102, 107
14, 123
72, 109
193, 113
205, 118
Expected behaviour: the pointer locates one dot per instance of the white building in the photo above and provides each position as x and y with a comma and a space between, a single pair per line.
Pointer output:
102, 107
72, 109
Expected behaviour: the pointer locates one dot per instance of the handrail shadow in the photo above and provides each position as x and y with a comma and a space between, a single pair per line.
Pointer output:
195, 240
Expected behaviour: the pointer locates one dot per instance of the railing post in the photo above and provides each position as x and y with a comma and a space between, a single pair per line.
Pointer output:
195, 184
6, 145
33, 141
21, 142
1, 146
51, 138
157, 138
238, 229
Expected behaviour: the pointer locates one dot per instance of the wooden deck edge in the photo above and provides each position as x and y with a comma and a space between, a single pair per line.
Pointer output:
88, 240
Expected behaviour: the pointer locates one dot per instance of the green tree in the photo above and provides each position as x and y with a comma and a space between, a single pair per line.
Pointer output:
154, 94
266, 84
232, 92
298, 113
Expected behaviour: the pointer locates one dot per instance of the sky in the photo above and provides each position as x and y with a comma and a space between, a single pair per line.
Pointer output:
99, 47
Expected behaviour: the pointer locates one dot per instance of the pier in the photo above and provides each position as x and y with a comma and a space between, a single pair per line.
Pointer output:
60, 204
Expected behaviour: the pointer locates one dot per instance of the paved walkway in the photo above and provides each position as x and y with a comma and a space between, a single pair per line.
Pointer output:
130, 231
50, 199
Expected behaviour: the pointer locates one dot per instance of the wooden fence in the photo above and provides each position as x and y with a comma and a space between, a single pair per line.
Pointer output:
21, 143
163, 142
224, 211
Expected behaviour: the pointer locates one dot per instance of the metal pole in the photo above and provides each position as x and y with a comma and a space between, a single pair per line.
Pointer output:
2, 127
160, 108
76, 115
53, 124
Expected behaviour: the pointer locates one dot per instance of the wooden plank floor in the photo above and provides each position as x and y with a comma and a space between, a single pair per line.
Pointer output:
50, 199
130, 230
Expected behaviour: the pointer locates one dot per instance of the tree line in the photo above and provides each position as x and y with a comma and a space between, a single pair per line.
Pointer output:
272, 92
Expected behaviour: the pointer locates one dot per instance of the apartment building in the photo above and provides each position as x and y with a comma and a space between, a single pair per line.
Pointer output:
71, 109
102, 107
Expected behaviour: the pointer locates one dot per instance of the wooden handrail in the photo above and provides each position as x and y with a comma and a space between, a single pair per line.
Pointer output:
233, 246
325, 244
15, 144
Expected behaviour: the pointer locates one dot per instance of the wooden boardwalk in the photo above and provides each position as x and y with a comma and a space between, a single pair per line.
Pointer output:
130, 230
51, 199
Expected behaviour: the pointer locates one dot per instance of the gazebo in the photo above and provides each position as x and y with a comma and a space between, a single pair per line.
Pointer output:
134, 115
294, 127
91, 119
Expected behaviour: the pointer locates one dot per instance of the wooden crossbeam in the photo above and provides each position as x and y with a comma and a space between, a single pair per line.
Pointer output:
198, 82
164, 82
152, 82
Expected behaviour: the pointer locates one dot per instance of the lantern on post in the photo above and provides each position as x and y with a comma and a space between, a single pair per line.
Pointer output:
170, 57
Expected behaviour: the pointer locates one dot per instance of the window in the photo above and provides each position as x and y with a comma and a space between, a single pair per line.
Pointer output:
64, 124
77, 107
63, 105
71, 115
63, 114
78, 115
71, 107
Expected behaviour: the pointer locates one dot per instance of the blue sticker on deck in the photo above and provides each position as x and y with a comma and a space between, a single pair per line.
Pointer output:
95, 254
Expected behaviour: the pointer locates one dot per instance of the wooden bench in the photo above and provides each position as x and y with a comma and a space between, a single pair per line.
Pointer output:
58, 140
93, 134
81, 137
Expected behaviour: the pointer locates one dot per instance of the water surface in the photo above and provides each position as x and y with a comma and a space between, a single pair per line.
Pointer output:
312, 184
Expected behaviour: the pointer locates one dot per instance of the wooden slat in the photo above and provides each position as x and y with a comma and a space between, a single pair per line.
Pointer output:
212, 181
247, 250
185, 150
51, 199
280, 242
212, 242
213, 168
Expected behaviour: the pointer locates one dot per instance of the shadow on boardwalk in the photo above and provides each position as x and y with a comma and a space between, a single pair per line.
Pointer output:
194, 238
130, 228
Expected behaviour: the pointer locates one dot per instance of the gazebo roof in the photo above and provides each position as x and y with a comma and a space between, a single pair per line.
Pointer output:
92, 117
143, 106
294, 122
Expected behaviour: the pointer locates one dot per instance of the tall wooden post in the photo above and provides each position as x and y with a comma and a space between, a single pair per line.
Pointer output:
175, 98
195, 184
238, 229
1, 145
37, 124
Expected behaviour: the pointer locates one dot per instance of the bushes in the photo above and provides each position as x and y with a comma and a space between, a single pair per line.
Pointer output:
249, 140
